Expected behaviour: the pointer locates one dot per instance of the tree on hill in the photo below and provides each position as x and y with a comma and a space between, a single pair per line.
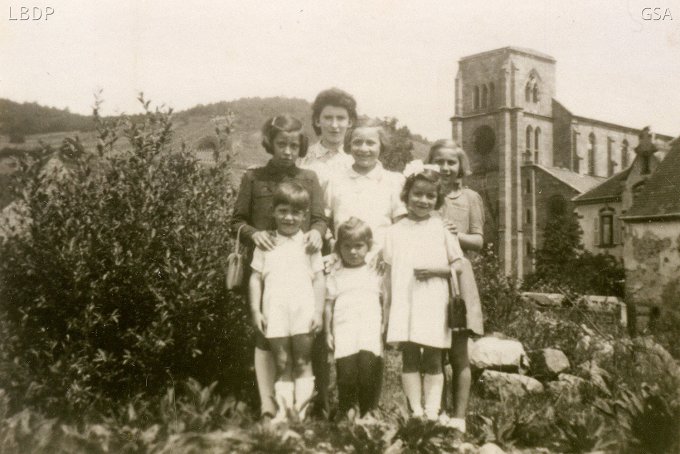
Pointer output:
399, 151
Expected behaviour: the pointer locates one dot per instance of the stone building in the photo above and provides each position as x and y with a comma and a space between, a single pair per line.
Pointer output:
600, 209
651, 249
529, 153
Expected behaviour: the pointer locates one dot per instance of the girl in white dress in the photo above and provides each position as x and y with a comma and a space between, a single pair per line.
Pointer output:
420, 254
354, 320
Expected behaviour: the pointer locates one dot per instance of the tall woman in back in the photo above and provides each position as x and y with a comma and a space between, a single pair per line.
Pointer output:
463, 214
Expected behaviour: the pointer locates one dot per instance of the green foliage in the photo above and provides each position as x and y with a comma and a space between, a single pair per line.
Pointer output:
399, 150
650, 423
421, 436
19, 120
115, 287
666, 327
583, 432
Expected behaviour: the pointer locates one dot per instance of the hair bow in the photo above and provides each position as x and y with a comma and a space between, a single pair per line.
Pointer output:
417, 166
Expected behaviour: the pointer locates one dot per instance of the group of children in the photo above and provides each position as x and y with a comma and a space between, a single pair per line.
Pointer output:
395, 252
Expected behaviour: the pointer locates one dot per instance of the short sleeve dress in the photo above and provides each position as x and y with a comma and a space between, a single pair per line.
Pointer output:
357, 313
466, 210
418, 310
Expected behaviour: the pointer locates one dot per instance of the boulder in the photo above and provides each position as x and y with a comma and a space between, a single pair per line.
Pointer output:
491, 352
567, 387
495, 384
548, 363
595, 347
490, 448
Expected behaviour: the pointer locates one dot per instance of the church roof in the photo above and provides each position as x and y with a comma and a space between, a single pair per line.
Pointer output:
660, 196
610, 188
581, 183
514, 49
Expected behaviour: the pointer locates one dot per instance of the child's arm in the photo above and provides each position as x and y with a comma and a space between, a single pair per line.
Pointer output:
319, 284
386, 298
255, 294
328, 322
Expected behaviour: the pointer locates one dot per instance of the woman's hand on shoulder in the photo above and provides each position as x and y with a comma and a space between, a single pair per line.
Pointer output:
263, 240
451, 227
313, 241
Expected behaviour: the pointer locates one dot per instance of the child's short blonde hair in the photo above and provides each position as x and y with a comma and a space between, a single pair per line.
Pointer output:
353, 229
365, 122
464, 169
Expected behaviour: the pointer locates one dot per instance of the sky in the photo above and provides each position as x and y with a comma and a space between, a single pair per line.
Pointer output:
398, 58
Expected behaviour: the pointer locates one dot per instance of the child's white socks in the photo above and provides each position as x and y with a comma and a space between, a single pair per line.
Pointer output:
284, 391
304, 389
432, 387
411, 382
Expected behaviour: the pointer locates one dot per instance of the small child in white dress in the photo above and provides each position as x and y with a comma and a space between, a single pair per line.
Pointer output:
354, 319
421, 255
287, 299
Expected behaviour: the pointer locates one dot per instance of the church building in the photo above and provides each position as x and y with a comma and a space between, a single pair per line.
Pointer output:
530, 155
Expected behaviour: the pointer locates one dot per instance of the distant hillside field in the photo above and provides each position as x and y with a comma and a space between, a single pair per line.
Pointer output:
36, 124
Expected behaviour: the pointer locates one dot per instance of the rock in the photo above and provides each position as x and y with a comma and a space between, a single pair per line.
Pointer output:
567, 387
595, 347
490, 448
498, 354
548, 363
467, 448
597, 376
495, 384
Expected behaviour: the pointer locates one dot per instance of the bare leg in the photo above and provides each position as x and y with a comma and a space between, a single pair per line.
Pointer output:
462, 376
302, 372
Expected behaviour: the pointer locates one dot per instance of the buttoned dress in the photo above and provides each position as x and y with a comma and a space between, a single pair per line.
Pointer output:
374, 198
325, 162
288, 302
418, 309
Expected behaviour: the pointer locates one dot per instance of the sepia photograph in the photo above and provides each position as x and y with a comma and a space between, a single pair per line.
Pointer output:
194, 195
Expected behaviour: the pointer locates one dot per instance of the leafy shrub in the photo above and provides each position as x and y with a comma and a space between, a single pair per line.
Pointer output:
649, 421
583, 432
115, 287
421, 436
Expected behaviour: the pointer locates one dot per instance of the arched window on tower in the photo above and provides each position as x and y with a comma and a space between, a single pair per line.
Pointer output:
624, 154
492, 95
537, 144
527, 152
475, 100
527, 92
535, 92
485, 96
591, 154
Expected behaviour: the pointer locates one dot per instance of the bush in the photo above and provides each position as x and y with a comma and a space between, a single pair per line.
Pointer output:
115, 288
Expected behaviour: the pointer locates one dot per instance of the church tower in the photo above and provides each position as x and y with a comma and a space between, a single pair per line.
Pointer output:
503, 120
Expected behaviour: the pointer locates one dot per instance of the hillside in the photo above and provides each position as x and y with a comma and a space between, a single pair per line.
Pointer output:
36, 124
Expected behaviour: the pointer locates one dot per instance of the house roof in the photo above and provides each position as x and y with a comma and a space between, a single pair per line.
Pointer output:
580, 183
610, 188
660, 196
514, 49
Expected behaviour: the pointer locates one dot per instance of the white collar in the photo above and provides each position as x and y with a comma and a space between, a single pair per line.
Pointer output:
321, 150
376, 172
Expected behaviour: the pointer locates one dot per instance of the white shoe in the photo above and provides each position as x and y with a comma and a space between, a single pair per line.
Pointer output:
457, 424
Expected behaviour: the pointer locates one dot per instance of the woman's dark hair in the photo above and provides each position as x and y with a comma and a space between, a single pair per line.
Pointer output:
426, 175
283, 123
336, 98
